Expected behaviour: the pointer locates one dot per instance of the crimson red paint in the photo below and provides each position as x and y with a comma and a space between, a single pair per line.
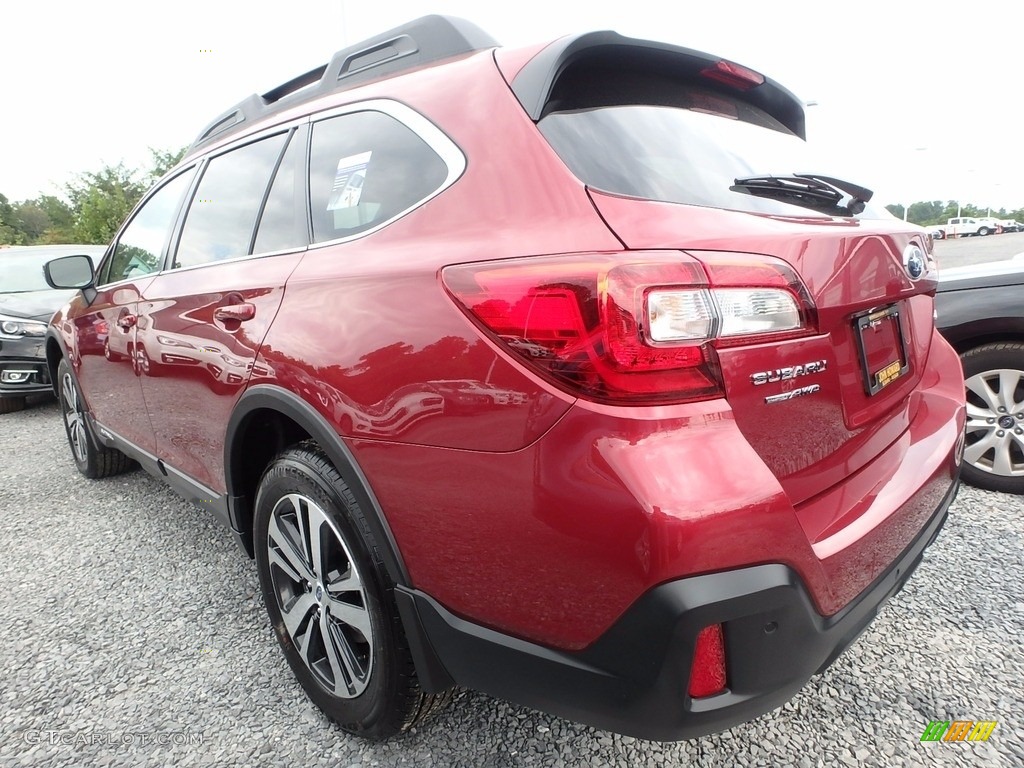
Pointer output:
589, 390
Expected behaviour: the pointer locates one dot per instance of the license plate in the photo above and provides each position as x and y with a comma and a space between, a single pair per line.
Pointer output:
883, 348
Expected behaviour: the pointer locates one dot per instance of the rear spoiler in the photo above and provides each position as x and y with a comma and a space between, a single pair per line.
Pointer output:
584, 58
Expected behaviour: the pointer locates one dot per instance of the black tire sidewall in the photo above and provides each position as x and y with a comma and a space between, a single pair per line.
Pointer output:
374, 712
1008, 355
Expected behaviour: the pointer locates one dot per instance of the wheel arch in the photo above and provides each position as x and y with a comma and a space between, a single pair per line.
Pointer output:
54, 352
972, 336
265, 421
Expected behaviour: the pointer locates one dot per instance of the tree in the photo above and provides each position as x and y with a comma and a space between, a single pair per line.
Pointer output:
162, 161
61, 218
101, 200
30, 219
9, 233
97, 203
925, 213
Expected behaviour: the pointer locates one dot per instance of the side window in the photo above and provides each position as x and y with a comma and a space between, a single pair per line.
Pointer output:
283, 223
140, 248
366, 168
222, 214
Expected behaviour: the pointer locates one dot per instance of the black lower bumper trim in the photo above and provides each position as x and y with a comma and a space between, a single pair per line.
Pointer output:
634, 678
38, 381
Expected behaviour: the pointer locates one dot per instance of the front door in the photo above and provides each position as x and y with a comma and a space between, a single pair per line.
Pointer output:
106, 355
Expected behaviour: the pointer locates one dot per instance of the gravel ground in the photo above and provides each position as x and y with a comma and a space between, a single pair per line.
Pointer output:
135, 635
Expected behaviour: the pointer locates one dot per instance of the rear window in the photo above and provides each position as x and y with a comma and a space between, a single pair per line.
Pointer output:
691, 151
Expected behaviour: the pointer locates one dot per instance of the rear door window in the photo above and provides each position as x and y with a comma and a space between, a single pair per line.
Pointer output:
222, 215
283, 224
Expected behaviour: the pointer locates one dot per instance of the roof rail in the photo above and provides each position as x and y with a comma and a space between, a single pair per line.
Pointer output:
424, 40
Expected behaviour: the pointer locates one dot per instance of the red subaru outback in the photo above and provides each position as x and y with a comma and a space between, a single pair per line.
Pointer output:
555, 373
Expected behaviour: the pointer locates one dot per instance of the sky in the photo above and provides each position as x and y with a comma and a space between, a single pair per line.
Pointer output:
909, 98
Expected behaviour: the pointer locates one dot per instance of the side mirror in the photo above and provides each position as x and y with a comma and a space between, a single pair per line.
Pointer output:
69, 272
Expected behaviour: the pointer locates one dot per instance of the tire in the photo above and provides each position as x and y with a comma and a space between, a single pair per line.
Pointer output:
336, 621
11, 404
940, 235
994, 445
984, 231
142, 359
91, 461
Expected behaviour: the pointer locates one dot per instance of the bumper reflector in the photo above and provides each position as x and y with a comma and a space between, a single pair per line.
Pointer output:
707, 674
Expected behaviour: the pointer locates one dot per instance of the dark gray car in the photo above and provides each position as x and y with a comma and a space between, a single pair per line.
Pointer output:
981, 313
26, 305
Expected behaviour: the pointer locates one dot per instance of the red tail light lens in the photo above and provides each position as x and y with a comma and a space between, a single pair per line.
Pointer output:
628, 332
730, 73
707, 673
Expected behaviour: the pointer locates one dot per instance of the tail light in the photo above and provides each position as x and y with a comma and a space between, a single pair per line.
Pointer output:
730, 73
707, 672
638, 328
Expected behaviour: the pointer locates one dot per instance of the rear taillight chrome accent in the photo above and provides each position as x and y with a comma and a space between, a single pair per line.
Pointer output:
707, 672
636, 328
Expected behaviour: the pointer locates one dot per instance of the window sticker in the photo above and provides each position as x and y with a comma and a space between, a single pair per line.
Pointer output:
348, 181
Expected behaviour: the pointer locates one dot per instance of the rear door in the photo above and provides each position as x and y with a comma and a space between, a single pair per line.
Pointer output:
107, 355
202, 321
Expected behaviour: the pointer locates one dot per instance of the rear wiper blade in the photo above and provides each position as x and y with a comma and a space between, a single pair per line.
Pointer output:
856, 192
809, 190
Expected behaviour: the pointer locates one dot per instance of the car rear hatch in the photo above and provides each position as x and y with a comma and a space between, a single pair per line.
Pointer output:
684, 152
816, 408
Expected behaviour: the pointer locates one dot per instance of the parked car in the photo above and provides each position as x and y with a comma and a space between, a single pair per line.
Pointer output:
981, 313
704, 427
963, 226
26, 305
993, 225
1011, 225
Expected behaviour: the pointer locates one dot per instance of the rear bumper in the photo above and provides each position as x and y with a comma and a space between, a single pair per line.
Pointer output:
634, 678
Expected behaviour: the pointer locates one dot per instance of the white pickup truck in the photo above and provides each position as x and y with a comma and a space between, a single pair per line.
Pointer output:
963, 225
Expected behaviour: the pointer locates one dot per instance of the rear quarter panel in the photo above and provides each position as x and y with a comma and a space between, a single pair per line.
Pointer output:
364, 319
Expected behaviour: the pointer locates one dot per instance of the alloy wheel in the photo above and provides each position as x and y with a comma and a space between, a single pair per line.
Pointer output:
74, 418
995, 422
320, 594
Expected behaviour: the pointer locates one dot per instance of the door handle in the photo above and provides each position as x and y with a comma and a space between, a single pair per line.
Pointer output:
127, 322
236, 312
